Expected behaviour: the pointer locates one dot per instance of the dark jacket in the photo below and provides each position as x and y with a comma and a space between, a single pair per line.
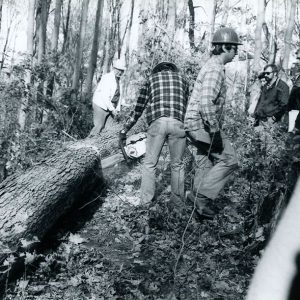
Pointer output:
273, 101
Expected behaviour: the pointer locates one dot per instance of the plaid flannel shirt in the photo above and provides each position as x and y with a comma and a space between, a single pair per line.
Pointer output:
205, 108
166, 94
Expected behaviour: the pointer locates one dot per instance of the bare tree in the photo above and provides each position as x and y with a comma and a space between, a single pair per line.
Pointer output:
191, 24
129, 32
95, 47
212, 21
1, 6
226, 10
289, 33
54, 43
30, 33
79, 49
261, 7
66, 28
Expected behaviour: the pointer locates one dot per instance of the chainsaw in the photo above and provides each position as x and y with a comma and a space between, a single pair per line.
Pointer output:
134, 146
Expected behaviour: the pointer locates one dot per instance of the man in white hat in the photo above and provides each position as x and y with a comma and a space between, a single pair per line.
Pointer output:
106, 98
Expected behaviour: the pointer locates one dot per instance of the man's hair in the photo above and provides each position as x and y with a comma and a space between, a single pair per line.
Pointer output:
273, 67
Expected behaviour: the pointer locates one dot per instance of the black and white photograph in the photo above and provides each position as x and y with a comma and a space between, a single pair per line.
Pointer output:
149, 150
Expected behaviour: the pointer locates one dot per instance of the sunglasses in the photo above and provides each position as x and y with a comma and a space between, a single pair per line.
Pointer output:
268, 73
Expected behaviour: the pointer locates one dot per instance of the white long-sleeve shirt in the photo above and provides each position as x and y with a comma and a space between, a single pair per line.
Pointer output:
105, 91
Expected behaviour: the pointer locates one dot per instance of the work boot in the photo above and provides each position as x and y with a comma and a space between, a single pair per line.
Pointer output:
202, 205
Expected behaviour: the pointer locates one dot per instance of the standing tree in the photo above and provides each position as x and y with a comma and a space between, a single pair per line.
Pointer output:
212, 22
66, 28
226, 10
1, 6
79, 48
261, 7
54, 43
30, 34
127, 52
41, 29
191, 24
94, 51
289, 33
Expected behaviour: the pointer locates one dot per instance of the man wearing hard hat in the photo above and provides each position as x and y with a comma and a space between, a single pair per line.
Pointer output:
214, 155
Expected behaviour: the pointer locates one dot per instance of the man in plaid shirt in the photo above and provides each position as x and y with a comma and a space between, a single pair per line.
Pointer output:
214, 155
164, 98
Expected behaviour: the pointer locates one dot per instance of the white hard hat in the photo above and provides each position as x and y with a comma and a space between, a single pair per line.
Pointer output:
119, 64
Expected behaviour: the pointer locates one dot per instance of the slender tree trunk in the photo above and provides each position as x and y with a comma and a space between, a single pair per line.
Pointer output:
192, 24
54, 43
57, 17
143, 16
30, 33
127, 51
5, 45
289, 33
225, 13
261, 7
95, 47
79, 49
212, 22
66, 28
1, 6
41, 25
171, 23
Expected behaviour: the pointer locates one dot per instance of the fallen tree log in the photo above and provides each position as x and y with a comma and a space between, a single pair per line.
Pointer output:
31, 203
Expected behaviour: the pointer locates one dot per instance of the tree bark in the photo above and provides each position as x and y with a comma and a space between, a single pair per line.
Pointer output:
289, 33
212, 22
127, 51
54, 43
1, 6
30, 204
258, 30
225, 13
79, 50
94, 51
66, 28
30, 33
192, 24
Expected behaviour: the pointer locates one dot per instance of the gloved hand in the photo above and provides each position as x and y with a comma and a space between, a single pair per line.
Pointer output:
122, 136
276, 119
216, 141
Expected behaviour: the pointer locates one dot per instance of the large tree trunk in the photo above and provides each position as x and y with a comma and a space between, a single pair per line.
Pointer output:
31, 204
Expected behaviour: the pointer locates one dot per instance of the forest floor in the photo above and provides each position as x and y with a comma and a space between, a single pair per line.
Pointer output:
110, 248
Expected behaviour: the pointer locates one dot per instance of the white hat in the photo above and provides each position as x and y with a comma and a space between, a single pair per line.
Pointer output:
119, 64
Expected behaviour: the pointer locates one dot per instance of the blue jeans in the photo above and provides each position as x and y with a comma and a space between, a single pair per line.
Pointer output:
158, 131
212, 170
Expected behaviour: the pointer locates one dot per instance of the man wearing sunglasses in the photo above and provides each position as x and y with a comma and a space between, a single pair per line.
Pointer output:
274, 96
215, 158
